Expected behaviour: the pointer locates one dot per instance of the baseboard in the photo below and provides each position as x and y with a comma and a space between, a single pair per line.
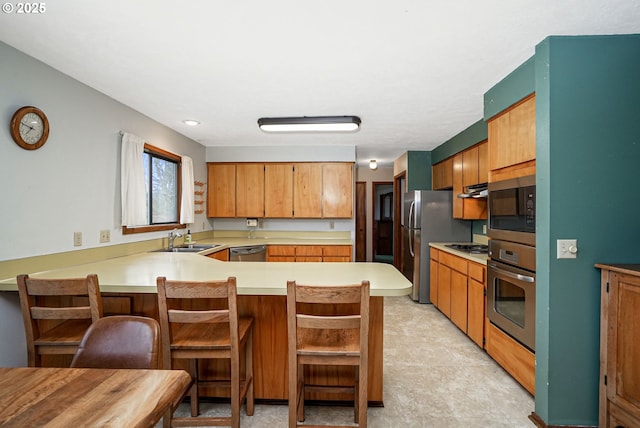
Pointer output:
537, 421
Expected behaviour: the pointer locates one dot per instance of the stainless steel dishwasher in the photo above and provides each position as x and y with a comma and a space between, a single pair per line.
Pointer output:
250, 253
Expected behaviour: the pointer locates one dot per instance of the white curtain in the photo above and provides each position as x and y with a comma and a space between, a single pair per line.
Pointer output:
186, 204
132, 187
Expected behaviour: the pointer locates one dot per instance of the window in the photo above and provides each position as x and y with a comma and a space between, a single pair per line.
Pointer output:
162, 180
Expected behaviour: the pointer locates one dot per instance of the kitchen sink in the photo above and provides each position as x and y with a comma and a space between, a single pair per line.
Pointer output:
188, 248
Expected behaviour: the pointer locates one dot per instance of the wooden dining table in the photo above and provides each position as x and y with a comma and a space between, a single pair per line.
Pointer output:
64, 397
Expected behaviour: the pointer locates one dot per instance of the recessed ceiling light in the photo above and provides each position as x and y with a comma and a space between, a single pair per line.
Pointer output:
191, 122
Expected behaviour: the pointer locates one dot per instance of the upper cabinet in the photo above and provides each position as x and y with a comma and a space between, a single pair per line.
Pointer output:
250, 190
278, 190
442, 175
221, 190
512, 141
275, 190
469, 168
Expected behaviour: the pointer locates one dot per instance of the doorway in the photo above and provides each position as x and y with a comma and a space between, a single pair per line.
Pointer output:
383, 215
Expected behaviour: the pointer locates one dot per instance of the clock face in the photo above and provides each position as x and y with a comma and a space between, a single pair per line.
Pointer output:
29, 128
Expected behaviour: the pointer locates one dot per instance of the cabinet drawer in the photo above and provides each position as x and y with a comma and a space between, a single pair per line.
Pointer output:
336, 250
281, 250
308, 250
476, 272
456, 263
433, 253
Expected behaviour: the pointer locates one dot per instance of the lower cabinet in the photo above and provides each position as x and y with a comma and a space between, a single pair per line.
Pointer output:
458, 291
220, 255
619, 346
309, 253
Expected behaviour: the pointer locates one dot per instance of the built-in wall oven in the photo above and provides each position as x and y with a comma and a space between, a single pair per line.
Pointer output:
511, 290
511, 268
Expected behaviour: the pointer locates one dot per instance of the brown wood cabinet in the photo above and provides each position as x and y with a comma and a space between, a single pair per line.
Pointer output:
250, 190
278, 190
467, 168
222, 255
517, 360
309, 253
619, 346
442, 175
221, 190
512, 141
458, 291
275, 190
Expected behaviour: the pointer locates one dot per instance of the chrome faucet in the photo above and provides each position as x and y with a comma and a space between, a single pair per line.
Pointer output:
172, 236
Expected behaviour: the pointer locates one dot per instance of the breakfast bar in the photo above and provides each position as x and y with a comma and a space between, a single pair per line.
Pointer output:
128, 286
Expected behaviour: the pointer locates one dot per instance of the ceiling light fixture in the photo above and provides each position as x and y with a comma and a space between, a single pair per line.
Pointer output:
191, 122
310, 124
373, 164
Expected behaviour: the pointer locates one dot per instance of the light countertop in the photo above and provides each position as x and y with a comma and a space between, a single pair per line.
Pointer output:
137, 273
477, 258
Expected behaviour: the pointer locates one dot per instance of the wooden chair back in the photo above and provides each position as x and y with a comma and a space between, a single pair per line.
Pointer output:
55, 320
327, 325
120, 342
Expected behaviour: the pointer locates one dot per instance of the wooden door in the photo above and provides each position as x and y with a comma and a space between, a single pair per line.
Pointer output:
444, 289
361, 221
278, 191
307, 190
459, 299
250, 190
457, 186
433, 277
337, 190
221, 190
483, 162
470, 167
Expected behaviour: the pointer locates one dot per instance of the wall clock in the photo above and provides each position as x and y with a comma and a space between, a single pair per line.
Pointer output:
29, 127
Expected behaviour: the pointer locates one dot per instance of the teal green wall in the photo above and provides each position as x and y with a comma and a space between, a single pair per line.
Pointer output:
517, 85
588, 152
418, 170
587, 156
465, 139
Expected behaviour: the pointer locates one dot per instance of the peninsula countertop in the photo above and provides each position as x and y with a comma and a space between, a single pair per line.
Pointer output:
137, 273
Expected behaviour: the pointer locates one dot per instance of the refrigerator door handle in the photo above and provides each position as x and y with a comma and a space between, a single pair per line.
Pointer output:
411, 225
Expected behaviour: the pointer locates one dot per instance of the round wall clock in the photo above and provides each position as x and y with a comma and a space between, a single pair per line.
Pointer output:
29, 127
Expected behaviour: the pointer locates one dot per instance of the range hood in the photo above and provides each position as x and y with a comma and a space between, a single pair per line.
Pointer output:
475, 191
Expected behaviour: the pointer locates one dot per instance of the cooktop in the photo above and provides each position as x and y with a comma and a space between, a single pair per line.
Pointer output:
470, 248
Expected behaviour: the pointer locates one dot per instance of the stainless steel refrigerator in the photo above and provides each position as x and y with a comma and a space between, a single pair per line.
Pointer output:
427, 216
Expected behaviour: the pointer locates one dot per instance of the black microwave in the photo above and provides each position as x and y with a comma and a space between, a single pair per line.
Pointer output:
512, 210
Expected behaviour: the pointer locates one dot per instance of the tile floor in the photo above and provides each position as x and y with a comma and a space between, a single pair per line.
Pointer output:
434, 376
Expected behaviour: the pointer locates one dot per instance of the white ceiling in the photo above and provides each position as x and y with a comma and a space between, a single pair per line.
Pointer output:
414, 71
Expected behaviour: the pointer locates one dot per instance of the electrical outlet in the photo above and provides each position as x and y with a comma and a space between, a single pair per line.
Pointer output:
484, 229
331, 224
77, 239
105, 235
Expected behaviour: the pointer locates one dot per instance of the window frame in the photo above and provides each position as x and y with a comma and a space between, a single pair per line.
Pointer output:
153, 150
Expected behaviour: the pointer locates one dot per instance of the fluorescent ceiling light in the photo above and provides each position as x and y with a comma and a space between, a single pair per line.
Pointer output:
191, 122
310, 124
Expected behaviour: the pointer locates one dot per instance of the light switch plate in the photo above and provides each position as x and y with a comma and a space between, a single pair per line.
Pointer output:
567, 248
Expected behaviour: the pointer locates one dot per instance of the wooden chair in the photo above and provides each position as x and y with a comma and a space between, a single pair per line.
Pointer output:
212, 333
54, 319
340, 338
120, 342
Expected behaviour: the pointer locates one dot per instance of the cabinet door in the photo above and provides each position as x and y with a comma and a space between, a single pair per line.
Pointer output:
307, 190
278, 191
249, 190
220, 255
337, 190
444, 289
512, 135
457, 186
476, 303
459, 299
221, 190
281, 253
442, 174
308, 253
623, 346
483, 162
433, 281
470, 167
336, 253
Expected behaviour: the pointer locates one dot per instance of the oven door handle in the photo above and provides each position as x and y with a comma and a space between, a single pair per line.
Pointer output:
517, 276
